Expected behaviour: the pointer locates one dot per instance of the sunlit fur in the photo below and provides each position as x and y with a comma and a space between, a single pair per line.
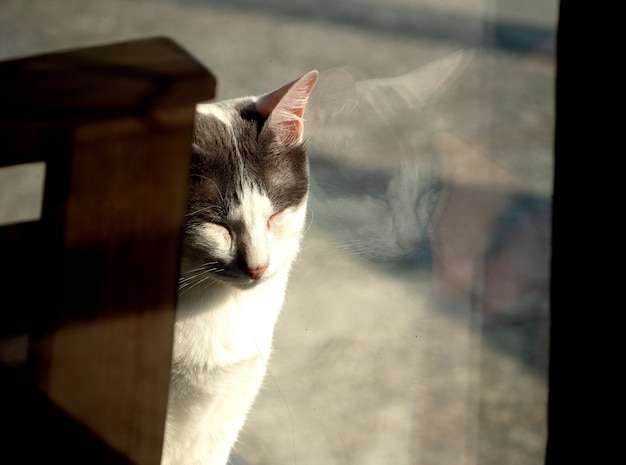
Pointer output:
246, 214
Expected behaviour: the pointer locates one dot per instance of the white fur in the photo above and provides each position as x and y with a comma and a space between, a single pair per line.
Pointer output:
223, 337
224, 324
211, 109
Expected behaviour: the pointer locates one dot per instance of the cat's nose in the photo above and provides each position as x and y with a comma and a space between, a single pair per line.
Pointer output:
255, 272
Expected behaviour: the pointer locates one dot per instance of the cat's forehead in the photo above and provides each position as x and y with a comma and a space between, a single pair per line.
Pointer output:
234, 148
220, 132
254, 203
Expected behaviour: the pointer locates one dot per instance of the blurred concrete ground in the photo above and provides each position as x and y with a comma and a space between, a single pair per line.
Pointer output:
444, 364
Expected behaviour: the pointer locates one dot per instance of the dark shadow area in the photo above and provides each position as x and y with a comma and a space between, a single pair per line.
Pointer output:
586, 275
36, 431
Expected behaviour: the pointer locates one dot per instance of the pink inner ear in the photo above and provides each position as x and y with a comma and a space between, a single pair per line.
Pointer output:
266, 103
284, 107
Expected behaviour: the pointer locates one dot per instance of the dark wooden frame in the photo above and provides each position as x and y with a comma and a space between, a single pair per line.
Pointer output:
91, 285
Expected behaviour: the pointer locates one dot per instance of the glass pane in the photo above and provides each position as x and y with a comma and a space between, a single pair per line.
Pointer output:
415, 328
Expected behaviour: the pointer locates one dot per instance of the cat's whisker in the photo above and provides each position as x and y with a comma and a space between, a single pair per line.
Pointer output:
192, 272
188, 280
191, 286
199, 274
202, 267
194, 277
191, 277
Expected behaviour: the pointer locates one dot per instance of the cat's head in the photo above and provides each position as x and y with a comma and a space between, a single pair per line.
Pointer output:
384, 215
248, 188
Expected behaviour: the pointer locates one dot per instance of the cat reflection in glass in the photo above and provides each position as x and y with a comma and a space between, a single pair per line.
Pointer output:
376, 177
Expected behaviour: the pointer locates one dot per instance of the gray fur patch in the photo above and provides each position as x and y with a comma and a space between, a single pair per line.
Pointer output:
226, 158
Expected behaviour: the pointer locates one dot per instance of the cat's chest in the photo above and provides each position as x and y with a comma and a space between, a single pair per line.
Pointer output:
231, 326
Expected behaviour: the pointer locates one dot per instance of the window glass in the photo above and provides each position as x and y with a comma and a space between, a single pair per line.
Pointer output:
415, 328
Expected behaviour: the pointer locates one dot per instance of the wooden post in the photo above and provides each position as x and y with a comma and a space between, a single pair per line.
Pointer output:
93, 280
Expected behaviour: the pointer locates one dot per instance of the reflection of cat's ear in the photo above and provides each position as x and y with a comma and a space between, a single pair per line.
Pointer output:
336, 92
417, 87
284, 108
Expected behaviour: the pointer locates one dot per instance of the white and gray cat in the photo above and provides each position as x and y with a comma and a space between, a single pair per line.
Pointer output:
375, 175
246, 213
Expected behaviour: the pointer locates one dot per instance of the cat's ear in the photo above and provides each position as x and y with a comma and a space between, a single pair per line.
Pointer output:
284, 108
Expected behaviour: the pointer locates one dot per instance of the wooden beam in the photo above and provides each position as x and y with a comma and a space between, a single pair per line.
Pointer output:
94, 279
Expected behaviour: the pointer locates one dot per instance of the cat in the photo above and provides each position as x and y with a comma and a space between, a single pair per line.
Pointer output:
246, 211
376, 179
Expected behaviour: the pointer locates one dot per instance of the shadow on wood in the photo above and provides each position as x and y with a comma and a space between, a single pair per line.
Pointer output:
93, 281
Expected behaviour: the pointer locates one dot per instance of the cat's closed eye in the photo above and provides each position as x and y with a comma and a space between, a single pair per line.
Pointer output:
280, 220
223, 227
277, 218
219, 233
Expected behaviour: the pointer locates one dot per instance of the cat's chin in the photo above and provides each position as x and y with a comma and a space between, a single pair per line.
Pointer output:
245, 286
243, 283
